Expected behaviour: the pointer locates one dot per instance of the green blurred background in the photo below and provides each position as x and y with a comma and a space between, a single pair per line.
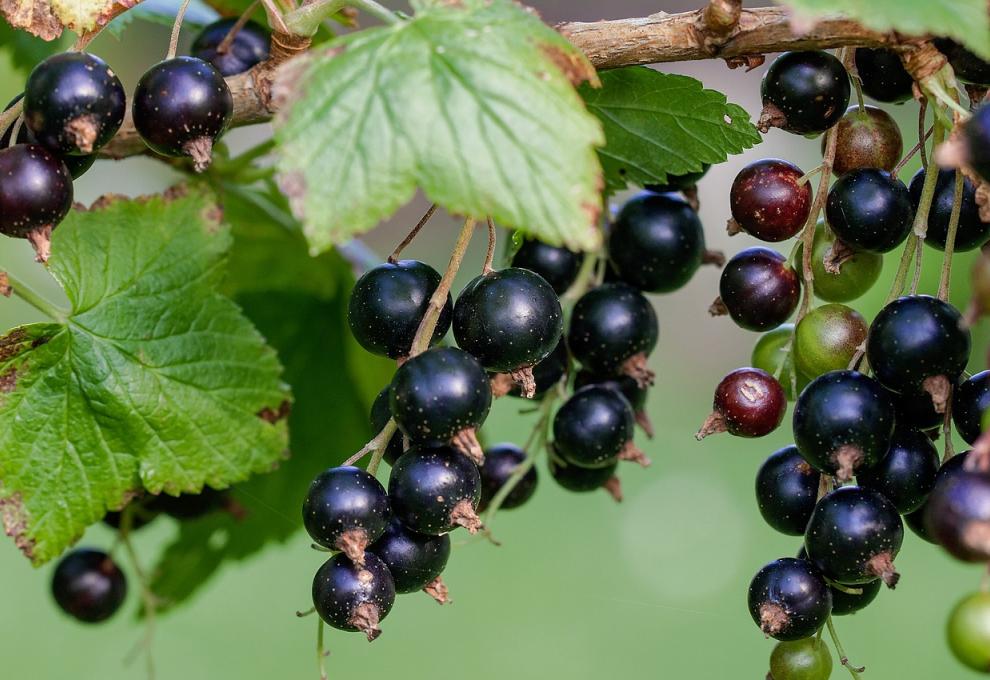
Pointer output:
581, 587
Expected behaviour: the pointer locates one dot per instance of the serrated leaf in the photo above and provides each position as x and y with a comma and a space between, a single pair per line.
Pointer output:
968, 21
47, 19
658, 124
25, 50
469, 101
154, 380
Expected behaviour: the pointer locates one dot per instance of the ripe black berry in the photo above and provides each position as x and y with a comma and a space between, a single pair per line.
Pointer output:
768, 201
380, 414
188, 506
758, 289
434, 490
906, 475
656, 243
613, 330
869, 210
970, 401
749, 402
35, 194
388, 303
917, 409
866, 138
501, 461
827, 339
804, 92
971, 232
917, 520
957, 514
594, 428
77, 165
853, 536
807, 659
509, 320
843, 422
845, 602
88, 586
351, 597
967, 66
884, 76
250, 46
73, 103
558, 266
789, 599
976, 140
415, 560
786, 491
442, 395
346, 509
582, 480
181, 107
628, 387
547, 374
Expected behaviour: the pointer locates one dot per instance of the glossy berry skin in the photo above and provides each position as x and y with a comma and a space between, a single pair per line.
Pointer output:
807, 659
508, 319
768, 202
343, 591
35, 189
345, 503
548, 372
73, 103
869, 210
610, 325
381, 412
679, 182
843, 422
557, 266
181, 107
957, 515
593, 427
856, 275
438, 394
809, 89
853, 536
413, 559
843, 602
759, 289
88, 585
772, 353
915, 338
789, 599
972, 232
427, 485
626, 386
389, 301
976, 140
866, 138
250, 46
967, 66
749, 402
968, 631
884, 77
970, 401
580, 479
827, 338
906, 475
917, 520
77, 165
656, 243
917, 409
501, 461
786, 491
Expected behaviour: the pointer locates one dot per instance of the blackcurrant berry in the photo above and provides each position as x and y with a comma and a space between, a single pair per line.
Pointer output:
628, 387
866, 138
613, 330
957, 514
249, 46
917, 520
845, 602
758, 289
883, 75
769, 201
77, 165
388, 303
346, 509
415, 560
854, 535
558, 266
190, 505
841, 274
679, 182
88, 585
786, 491
917, 410
352, 597
772, 353
656, 243
749, 402
73, 103
582, 480
843, 422
906, 475
804, 92
976, 141
501, 461
442, 395
35, 194
867, 209
595, 427
970, 401
434, 490
547, 374
827, 338
807, 659
509, 320
381, 412
971, 232
142, 512
919, 343
789, 599
968, 631
968, 67
181, 107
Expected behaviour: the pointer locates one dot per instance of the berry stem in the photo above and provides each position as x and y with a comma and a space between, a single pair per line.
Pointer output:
949, 450
31, 297
920, 146
173, 43
228, 39
320, 654
8, 117
857, 82
950, 238
148, 598
275, 18
843, 659
486, 268
922, 137
586, 276
394, 257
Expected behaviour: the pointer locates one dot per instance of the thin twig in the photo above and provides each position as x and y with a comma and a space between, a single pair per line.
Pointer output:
241, 22
950, 238
173, 43
320, 654
922, 135
843, 658
9, 116
394, 257
486, 268
920, 146
148, 598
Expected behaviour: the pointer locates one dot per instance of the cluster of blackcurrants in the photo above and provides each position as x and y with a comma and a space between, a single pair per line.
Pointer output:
74, 104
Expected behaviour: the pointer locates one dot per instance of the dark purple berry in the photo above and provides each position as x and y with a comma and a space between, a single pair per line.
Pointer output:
917, 410
501, 462
957, 514
971, 232
968, 67
88, 585
249, 46
869, 210
415, 560
768, 201
35, 194
749, 402
917, 520
970, 401
758, 289
786, 491
595, 428
845, 602
190, 505
789, 599
558, 266
548, 373
866, 138
804, 92
884, 76
628, 387
351, 597
976, 141
434, 490
906, 475
582, 480
346, 509
381, 412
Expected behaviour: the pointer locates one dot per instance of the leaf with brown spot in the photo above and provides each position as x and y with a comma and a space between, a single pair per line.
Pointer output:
47, 19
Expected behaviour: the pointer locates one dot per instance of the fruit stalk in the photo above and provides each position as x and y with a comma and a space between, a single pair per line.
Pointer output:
148, 598
394, 257
950, 239
843, 659
13, 285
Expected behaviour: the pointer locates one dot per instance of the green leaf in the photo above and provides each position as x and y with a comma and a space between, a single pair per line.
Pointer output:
658, 124
153, 381
469, 101
25, 50
965, 20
